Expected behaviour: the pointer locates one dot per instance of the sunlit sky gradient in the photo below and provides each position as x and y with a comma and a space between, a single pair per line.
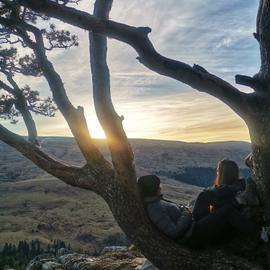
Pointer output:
214, 34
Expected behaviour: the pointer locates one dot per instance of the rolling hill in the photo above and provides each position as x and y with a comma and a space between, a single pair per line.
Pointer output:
35, 205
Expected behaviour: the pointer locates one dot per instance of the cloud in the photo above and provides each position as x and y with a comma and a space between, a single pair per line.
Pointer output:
214, 34
225, 42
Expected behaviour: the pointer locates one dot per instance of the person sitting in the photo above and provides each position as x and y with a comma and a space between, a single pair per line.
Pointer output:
172, 220
229, 188
178, 223
226, 186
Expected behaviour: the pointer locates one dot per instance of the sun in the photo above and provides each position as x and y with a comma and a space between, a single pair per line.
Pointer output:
95, 128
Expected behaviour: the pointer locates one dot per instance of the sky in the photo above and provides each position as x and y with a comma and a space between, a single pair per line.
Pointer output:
214, 34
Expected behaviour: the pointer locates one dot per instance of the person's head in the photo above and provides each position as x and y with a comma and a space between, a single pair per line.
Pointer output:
149, 185
227, 172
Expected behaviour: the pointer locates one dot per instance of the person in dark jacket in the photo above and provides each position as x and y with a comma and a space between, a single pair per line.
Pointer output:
228, 188
179, 223
226, 185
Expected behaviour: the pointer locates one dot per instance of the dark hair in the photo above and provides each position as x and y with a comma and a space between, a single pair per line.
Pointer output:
148, 185
227, 172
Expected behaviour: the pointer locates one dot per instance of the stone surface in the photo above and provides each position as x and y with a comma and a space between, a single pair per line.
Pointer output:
112, 258
147, 265
113, 249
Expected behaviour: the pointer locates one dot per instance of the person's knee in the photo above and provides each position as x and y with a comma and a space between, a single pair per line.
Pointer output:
232, 208
202, 196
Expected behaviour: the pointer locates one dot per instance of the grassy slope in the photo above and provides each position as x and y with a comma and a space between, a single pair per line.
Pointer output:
45, 208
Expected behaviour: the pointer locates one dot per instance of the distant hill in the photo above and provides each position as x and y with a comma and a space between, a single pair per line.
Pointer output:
188, 162
35, 205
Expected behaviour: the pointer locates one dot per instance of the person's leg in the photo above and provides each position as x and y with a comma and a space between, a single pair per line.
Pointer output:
240, 222
202, 205
210, 229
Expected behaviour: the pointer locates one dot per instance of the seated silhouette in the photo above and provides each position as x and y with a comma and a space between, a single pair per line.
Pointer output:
216, 214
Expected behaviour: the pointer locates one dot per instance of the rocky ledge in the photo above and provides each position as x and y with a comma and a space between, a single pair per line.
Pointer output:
111, 258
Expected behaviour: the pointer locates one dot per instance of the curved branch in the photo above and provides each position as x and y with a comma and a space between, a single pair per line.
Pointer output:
71, 175
121, 151
260, 82
196, 77
21, 105
263, 37
74, 116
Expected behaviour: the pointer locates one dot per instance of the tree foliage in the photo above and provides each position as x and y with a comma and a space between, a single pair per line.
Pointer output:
18, 100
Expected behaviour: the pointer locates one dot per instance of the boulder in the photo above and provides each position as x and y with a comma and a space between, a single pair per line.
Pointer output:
52, 266
44, 262
113, 258
63, 251
147, 265
74, 261
113, 249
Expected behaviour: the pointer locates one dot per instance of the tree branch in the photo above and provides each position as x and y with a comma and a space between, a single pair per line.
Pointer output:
121, 151
263, 37
138, 39
254, 82
21, 105
74, 116
71, 175
245, 80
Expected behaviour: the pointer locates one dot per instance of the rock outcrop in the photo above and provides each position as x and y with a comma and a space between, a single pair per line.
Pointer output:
111, 258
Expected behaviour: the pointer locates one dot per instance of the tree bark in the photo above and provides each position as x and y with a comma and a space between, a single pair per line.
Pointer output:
118, 185
259, 129
121, 151
263, 36
261, 174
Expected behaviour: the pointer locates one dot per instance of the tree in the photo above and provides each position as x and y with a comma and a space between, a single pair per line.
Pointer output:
116, 182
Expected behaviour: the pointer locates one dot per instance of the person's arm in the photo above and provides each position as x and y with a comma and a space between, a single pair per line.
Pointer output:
224, 192
165, 224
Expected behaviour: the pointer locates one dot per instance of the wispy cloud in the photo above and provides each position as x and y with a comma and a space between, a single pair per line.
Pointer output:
214, 34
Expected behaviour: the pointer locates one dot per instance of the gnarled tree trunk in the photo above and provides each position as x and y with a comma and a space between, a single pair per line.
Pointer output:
116, 182
259, 133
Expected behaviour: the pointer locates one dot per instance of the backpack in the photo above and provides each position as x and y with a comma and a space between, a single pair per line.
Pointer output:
249, 196
249, 201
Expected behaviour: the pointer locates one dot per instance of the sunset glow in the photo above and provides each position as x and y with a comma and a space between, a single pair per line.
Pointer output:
156, 107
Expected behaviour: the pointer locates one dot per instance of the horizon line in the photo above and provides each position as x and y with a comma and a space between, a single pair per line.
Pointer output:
149, 139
